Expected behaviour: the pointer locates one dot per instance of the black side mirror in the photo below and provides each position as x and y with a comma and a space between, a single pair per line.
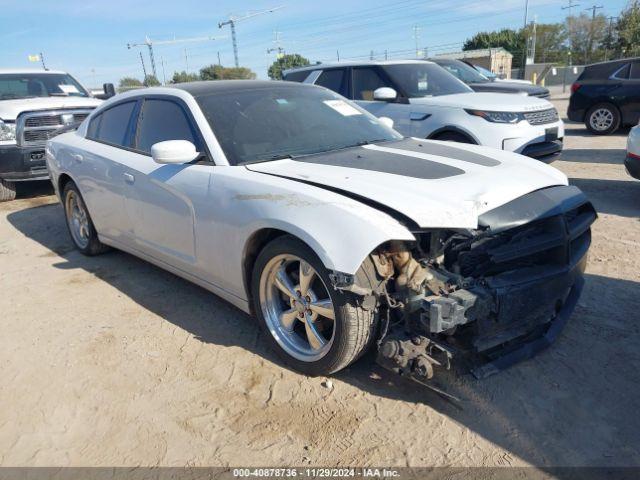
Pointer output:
109, 90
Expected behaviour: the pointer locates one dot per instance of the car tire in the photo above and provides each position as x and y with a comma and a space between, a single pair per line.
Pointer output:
7, 190
602, 119
453, 137
83, 233
346, 337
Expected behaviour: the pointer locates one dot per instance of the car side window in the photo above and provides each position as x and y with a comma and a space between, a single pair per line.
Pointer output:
334, 80
112, 125
623, 72
365, 82
635, 71
162, 120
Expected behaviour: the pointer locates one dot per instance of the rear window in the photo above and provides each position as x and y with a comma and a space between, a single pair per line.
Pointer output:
334, 80
296, 76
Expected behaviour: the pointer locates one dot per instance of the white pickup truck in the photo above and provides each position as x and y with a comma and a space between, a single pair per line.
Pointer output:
34, 106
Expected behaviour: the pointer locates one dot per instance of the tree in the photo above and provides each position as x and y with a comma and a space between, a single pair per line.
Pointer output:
511, 40
550, 42
284, 62
151, 81
218, 72
184, 77
628, 30
586, 36
130, 82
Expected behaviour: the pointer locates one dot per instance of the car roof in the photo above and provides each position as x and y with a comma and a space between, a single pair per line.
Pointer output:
21, 71
361, 63
205, 87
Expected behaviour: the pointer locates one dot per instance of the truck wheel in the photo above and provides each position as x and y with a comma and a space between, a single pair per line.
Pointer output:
602, 119
313, 327
81, 228
7, 190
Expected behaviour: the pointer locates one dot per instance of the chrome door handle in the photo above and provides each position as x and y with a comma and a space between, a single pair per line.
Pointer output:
77, 157
129, 178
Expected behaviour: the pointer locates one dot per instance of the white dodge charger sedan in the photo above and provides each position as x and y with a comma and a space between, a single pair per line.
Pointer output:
336, 232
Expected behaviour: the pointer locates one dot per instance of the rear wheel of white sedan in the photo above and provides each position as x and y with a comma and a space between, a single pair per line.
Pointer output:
315, 328
81, 228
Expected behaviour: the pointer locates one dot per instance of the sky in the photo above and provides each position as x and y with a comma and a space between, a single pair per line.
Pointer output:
88, 38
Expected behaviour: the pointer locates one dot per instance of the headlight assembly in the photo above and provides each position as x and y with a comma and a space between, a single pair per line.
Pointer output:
7, 131
497, 117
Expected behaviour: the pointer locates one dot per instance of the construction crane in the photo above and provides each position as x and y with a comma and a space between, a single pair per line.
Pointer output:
232, 23
150, 43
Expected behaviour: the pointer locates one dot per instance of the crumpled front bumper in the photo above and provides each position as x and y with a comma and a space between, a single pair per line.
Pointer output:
539, 337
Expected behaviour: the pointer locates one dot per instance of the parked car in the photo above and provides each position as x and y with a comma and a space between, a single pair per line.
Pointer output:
426, 101
632, 161
34, 104
337, 233
497, 78
480, 83
606, 96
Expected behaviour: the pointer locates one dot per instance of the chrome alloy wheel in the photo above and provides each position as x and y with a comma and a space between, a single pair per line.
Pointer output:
297, 308
77, 218
601, 119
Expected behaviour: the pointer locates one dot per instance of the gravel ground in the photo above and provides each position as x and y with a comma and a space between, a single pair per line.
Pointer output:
110, 361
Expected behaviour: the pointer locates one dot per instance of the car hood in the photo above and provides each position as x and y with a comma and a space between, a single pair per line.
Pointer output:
10, 109
486, 101
435, 184
509, 87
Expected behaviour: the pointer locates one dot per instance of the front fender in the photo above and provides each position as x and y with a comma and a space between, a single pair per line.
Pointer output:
342, 231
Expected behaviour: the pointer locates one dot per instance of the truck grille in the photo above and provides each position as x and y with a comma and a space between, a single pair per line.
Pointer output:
35, 128
543, 116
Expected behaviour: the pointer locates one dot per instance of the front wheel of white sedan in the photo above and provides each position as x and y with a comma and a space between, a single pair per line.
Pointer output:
81, 228
315, 328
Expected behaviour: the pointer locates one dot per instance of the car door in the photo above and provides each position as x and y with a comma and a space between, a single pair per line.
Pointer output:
364, 81
98, 169
162, 199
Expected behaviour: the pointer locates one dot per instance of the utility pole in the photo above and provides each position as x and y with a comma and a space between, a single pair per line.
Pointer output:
570, 7
164, 78
531, 44
593, 9
219, 62
186, 61
144, 69
524, 30
416, 36
609, 37
232, 24
278, 46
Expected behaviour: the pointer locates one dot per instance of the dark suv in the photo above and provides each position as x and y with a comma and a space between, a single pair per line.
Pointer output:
606, 96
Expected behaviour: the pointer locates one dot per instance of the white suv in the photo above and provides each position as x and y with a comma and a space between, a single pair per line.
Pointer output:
426, 101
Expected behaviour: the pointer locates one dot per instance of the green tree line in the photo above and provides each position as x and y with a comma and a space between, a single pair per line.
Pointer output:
582, 38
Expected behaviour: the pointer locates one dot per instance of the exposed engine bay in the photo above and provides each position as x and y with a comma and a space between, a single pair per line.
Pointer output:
482, 299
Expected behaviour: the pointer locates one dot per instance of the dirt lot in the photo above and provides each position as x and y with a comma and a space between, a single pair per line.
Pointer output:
111, 361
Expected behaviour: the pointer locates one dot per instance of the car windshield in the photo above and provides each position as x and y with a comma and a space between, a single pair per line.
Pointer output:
463, 71
29, 85
419, 80
487, 73
262, 124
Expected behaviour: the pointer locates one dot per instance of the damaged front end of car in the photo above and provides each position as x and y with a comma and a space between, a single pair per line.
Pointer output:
486, 298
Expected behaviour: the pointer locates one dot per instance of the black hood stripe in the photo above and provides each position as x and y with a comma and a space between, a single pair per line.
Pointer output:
447, 151
365, 159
